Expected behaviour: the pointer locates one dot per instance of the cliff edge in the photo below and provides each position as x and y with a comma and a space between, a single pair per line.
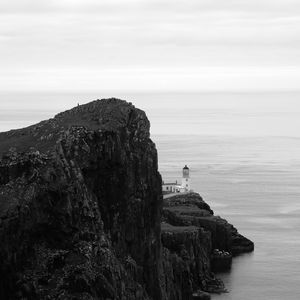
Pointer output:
81, 212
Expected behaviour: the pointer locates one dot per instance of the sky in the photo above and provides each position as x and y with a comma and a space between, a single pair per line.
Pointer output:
143, 45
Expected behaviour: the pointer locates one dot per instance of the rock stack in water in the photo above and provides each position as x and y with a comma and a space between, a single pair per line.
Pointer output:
80, 213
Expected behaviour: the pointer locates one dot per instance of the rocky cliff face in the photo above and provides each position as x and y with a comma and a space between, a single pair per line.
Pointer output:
191, 210
80, 213
212, 250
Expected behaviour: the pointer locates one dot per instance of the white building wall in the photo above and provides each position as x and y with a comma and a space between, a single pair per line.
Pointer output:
186, 183
168, 188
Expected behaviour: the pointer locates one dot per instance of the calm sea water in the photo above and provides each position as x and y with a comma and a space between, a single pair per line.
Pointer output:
254, 184
244, 155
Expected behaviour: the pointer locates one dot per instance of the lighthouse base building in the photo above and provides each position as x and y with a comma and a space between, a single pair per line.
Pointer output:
174, 187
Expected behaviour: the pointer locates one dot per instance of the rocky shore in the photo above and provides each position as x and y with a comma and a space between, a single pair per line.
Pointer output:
205, 243
82, 214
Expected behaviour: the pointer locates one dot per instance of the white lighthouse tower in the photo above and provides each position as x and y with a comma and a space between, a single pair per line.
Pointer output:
186, 180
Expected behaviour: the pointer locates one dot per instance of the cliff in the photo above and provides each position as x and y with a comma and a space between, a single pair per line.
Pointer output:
80, 213
218, 240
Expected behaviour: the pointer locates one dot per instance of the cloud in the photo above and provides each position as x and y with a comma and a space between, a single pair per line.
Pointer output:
162, 35
165, 6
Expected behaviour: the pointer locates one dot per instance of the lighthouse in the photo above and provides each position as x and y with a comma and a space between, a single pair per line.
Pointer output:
186, 180
174, 187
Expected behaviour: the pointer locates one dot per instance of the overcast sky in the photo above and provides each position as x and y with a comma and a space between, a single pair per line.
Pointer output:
144, 45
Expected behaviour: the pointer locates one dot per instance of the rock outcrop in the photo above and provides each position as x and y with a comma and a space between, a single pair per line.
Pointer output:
191, 210
80, 214
197, 243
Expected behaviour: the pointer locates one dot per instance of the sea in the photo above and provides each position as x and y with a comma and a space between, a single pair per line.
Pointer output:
243, 150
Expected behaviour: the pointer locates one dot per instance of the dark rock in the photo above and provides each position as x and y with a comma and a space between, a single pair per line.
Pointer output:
191, 210
80, 214
186, 259
200, 295
220, 261
241, 244
73, 208
189, 232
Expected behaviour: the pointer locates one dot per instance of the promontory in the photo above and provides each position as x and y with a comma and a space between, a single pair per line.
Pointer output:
82, 214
